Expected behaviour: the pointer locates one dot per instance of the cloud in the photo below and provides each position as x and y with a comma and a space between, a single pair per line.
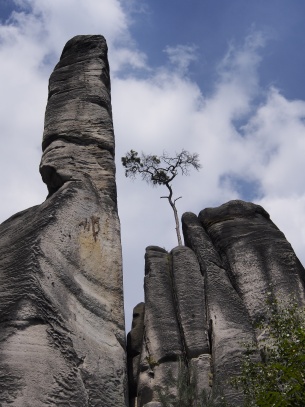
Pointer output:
124, 59
276, 134
181, 57
62, 20
31, 41
287, 213
45, 26
250, 140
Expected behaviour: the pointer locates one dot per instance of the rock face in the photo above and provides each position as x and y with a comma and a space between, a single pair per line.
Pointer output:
62, 340
61, 301
202, 301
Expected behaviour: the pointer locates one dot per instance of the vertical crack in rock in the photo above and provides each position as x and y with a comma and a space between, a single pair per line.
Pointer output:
184, 357
229, 320
162, 347
189, 296
203, 301
61, 302
134, 347
175, 328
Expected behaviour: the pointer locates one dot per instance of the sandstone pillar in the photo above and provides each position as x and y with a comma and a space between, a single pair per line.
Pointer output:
203, 301
61, 301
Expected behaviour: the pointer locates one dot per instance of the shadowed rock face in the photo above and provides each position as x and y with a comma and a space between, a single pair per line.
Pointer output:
134, 348
61, 302
219, 285
175, 325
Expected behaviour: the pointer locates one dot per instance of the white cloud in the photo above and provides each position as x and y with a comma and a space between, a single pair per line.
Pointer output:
241, 132
62, 20
287, 212
181, 57
126, 58
31, 42
276, 134
170, 112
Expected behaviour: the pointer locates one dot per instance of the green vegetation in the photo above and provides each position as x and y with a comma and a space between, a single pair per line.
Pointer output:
275, 379
278, 379
161, 170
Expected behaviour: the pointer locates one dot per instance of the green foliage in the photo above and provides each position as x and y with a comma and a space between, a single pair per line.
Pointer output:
186, 389
278, 379
159, 170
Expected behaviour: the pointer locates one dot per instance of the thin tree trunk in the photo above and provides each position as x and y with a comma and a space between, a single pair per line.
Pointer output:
172, 204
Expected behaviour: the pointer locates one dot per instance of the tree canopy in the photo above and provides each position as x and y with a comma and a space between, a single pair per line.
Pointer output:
161, 170
278, 379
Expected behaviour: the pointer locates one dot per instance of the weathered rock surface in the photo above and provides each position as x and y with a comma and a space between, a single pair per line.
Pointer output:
235, 261
175, 325
134, 348
61, 303
62, 339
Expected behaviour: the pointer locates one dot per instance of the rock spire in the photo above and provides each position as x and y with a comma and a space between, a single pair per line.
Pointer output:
202, 301
61, 301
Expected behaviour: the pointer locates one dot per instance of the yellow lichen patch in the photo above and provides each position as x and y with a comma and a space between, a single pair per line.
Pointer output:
93, 224
95, 249
90, 247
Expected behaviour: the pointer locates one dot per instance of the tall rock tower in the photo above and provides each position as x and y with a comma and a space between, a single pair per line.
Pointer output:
203, 302
61, 301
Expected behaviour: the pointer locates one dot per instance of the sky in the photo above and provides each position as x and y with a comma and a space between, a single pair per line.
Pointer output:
222, 78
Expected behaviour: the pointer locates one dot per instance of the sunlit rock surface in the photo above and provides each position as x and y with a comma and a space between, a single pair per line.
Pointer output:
62, 340
61, 301
202, 301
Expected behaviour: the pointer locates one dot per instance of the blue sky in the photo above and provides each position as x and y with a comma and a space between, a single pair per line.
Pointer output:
212, 25
223, 78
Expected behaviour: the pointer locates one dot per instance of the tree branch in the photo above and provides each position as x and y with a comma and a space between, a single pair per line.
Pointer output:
161, 170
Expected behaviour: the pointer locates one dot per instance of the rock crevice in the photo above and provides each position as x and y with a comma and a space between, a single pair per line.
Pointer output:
213, 293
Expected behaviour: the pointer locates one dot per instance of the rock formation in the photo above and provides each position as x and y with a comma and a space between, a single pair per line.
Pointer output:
62, 340
62, 323
202, 301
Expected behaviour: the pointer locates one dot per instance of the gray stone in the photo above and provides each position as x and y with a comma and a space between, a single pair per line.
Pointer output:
202, 302
188, 289
134, 348
175, 325
162, 346
160, 321
61, 301
79, 107
202, 368
245, 260
256, 254
229, 321
191, 310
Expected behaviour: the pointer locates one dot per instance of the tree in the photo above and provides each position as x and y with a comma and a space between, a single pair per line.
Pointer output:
278, 379
161, 170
